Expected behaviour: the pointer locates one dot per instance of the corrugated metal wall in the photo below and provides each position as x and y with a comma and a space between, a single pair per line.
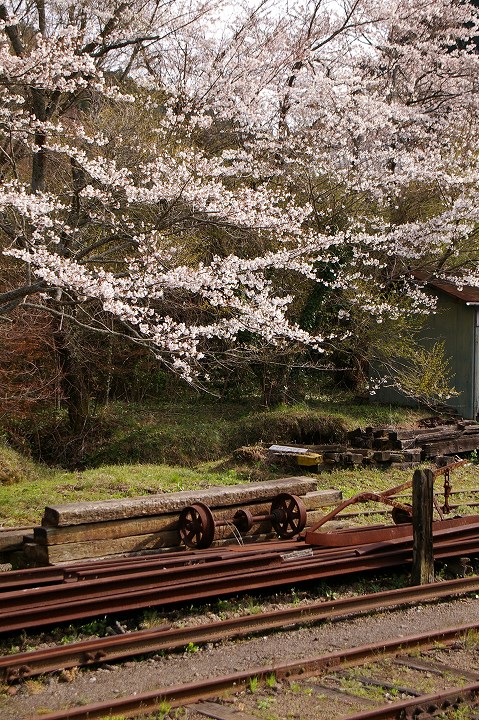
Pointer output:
455, 323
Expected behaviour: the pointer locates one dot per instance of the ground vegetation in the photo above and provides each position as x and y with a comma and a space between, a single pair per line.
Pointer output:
241, 192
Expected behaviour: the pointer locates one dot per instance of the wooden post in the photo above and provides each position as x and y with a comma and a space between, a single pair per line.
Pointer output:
422, 507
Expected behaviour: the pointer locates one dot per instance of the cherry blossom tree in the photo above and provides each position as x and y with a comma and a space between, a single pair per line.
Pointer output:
371, 113
368, 112
192, 177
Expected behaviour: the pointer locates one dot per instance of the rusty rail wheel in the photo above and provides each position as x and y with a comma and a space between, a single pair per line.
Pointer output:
288, 515
197, 526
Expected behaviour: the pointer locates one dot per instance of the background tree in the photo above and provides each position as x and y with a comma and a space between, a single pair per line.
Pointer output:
192, 191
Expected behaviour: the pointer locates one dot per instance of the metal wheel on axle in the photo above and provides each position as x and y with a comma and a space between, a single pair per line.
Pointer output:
288, 515
196, 525
243, 520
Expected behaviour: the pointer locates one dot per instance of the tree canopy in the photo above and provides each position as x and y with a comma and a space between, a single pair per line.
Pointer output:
189, 174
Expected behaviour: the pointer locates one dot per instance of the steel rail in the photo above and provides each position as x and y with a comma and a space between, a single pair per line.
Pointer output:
88, 652
90, 569
165, 577
94, 569
145, 579
424, 706
239, 565
18, 579
38, 597
85, 605
36, 577
179, 695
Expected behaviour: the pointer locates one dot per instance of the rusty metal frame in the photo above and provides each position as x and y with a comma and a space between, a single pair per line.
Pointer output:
385, 497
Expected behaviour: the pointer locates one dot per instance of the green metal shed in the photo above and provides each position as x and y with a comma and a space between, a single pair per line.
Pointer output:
456, 322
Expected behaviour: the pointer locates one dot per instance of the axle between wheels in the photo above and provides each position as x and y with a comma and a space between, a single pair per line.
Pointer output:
197, 524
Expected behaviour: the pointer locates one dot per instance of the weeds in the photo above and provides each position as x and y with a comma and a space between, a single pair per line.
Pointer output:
461, 713
95, 627
357, 688
253, 684
470, 640
151, 619
164, 709
252, 607
192, 648
265, 703
270, 680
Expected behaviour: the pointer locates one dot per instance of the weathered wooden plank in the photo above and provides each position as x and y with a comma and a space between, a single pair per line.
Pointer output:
88, 548
474, 430
353, 458
421, 432
412, 455
35, 553
142, 526
96, 511
441, 434
466, 443
444, 435
97, 548
39, 553
383, 456
108, 530
321, 498
11, 537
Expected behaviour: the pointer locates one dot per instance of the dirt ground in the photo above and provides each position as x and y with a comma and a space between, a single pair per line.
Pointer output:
75, 688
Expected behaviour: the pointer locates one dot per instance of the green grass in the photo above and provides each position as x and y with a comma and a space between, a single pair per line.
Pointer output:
23, 502
136, 450
196, 430
200, 432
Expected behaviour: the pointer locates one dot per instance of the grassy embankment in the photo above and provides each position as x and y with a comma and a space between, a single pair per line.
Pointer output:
169, 447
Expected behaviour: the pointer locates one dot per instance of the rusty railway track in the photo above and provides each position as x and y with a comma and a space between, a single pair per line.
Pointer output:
90, 652
166, 584
16, 580
87, 589
420, 706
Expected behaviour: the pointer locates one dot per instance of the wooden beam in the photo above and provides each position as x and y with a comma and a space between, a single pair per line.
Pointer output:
422, 508
112, 529
101, 510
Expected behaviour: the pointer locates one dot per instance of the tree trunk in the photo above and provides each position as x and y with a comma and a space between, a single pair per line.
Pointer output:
274, 381
72, 380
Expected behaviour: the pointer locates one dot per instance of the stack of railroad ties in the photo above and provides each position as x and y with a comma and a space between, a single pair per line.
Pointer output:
149, 524
89, 588
391, 447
